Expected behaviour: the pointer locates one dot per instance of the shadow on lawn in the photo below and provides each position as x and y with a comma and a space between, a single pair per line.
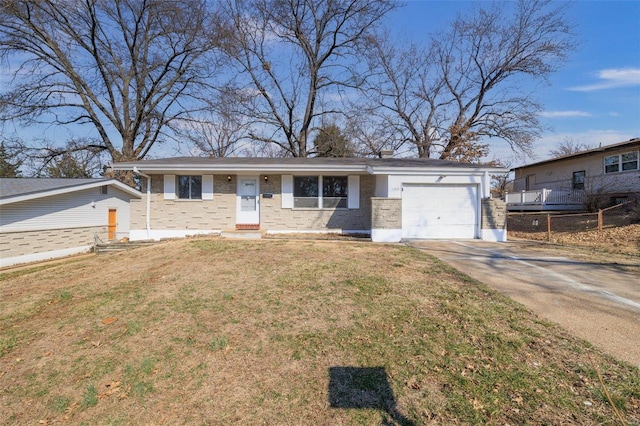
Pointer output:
364, 387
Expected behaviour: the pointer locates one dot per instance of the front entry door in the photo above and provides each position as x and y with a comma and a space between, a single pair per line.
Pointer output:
112, 224
248, 201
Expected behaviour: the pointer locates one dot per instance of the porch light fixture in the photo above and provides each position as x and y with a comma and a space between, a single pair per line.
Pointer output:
266, 179
228, 178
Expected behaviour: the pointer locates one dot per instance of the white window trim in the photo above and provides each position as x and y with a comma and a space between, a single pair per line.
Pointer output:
353, 193
175, 189
604, 165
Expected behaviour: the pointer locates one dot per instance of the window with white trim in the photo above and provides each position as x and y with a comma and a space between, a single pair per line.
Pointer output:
320, 192
334, 191
578, 179
621, 162
189, 187
629, 161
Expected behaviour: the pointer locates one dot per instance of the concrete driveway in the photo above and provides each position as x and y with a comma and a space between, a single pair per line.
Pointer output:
597, 301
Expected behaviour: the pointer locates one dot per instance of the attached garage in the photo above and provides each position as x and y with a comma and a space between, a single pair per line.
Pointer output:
440, 211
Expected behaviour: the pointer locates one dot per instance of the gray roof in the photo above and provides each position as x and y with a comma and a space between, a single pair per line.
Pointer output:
631, 143
293, 162
22, 186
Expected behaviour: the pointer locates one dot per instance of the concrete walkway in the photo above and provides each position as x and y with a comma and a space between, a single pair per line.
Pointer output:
599, 302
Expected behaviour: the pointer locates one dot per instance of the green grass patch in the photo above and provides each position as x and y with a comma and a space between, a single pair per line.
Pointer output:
90, 397
63, 295
8, 343
60, 404
218, 343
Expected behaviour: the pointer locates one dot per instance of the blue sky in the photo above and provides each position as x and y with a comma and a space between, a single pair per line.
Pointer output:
595, 97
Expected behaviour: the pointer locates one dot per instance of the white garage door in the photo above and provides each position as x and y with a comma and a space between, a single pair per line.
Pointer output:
439, 211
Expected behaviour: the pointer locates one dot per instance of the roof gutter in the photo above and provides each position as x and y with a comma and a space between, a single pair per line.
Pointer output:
57, 191
138, 172
240, 168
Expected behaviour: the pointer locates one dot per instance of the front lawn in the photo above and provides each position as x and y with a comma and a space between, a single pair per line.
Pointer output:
212, 331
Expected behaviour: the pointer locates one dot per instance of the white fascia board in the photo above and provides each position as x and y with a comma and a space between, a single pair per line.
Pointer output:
33, 196
243, 169
303, 168
435, 171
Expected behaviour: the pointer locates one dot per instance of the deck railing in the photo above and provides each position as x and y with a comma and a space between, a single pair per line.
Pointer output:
545, 196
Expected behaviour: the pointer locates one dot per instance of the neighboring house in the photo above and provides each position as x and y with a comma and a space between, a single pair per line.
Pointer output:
48, 218
611, 172
389, 199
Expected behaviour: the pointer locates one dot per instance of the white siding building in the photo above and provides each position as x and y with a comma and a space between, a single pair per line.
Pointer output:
48, 218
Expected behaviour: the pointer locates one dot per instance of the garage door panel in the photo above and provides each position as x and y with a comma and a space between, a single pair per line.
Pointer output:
439, 211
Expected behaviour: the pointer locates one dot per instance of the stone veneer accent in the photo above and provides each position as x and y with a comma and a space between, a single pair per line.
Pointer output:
216, 214
274, 218
386, 213
494, 214
24, 243
220, 213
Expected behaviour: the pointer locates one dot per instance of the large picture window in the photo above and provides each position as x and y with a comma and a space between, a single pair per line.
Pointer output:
305, 191
320, 191
334, 192
621, 162
189, 187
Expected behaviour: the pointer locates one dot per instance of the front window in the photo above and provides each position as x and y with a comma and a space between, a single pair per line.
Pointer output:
305, 191
611, 164
621, 162
578, 179
630, 161
334, 192
320, 191
189, 187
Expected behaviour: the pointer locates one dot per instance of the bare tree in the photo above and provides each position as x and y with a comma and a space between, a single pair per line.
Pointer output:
503, 182
568, 147
295, 54
74, 160
128, 68
466, 87
220, 130
403, 93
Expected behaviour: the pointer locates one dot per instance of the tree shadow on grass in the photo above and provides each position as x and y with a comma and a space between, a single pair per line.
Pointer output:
364, 387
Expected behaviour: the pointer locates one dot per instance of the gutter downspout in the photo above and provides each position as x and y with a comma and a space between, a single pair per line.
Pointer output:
486, 185
138, 172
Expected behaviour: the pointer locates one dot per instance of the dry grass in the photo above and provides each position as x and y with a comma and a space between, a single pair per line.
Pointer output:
615, 240
209, 331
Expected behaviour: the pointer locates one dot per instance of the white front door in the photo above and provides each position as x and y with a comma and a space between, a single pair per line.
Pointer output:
248, 201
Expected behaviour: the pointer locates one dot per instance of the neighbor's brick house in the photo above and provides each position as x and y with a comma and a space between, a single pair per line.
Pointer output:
612, 170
